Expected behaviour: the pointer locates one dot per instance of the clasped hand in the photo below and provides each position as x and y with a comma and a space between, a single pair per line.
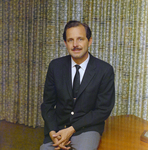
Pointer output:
61, 138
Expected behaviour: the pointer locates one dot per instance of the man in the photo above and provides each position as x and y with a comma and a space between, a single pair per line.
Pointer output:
75, 114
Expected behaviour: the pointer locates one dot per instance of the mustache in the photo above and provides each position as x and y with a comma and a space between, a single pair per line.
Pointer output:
76, 48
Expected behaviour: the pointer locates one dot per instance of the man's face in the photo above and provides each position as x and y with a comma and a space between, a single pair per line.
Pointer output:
77, 43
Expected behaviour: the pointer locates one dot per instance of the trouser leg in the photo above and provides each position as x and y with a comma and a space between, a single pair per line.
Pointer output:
47, 146
86, 141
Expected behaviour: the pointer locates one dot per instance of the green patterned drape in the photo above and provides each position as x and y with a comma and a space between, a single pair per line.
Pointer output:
31, 36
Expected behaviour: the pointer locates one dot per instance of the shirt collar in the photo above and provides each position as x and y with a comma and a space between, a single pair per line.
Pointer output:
82, 65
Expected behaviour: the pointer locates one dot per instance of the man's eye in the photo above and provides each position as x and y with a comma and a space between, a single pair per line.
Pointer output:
70, 40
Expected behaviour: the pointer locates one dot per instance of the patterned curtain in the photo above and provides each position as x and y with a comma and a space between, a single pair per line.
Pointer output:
31, 36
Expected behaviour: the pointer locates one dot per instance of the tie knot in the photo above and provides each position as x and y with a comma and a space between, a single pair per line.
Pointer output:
77, 67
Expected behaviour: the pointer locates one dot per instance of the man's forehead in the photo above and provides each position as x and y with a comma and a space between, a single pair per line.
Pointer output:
78, 30
76, 27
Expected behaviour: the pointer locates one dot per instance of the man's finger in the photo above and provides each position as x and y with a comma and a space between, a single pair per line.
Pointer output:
58, 137
57, 148
68, 143
64, 147
56, 134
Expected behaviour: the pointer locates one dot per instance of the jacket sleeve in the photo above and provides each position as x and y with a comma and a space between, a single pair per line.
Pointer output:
49, 101
104, 103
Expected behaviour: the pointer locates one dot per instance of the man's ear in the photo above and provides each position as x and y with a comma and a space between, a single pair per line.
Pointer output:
90, 41
65, 43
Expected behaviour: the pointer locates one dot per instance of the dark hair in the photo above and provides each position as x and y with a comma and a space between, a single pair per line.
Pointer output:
74, 23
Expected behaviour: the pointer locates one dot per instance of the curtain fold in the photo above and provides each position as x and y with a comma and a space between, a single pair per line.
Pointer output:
31, 36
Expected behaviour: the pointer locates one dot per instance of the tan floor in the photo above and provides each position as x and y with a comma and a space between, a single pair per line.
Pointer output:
19, 137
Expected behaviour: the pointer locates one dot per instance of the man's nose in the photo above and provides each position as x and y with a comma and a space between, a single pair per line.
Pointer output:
75, 44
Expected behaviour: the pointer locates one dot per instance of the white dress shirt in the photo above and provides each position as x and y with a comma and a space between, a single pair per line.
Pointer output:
81, 70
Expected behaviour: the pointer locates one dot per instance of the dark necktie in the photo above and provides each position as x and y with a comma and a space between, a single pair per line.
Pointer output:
76, 82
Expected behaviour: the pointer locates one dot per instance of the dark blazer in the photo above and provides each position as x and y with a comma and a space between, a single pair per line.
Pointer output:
94, 103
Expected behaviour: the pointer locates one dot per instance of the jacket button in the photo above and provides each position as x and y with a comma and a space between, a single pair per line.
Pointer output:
65, 126
72, 113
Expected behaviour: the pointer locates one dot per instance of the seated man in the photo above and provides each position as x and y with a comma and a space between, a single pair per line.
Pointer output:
79, 94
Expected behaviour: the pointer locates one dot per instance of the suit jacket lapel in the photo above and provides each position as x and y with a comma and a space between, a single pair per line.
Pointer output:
89, 73
67, 75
